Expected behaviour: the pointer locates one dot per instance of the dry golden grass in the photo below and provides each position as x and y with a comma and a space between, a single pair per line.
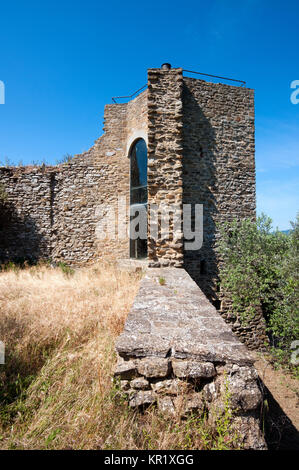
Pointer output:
56, 389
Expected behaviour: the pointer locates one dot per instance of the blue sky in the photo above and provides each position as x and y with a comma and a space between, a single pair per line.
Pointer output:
61, 61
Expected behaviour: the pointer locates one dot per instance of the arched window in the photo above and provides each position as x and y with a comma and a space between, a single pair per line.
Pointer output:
138, 198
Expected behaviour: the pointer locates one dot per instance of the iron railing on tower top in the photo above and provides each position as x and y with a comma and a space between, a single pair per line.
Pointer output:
129, 97
114, 98
216, 76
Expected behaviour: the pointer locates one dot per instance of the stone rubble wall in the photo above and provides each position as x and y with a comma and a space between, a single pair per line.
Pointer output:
165, 155
218, 166
56, 212
177, 353
25, 228
219, 172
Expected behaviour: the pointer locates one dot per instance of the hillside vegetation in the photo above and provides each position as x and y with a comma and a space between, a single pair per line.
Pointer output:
261, 269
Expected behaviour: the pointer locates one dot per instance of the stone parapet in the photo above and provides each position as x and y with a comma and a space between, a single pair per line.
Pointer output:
178, 353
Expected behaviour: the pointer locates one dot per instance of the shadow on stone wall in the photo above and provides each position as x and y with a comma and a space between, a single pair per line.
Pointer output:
19, 237
199, 182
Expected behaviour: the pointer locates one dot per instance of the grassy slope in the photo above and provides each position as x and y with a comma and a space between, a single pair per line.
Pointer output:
56, 390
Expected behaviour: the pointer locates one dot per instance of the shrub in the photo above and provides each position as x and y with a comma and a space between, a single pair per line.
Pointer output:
284, 320
67, 270
259, 268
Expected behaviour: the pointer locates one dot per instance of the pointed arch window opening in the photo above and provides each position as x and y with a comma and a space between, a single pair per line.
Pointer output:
138, 193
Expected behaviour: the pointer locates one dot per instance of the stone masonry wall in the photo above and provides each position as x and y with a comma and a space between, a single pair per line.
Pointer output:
218, 165
52, 211
165, 154
178, 354
137, 119
219, 172
25, 226
57, 212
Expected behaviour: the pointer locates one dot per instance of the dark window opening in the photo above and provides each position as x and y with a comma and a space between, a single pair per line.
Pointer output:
138, 195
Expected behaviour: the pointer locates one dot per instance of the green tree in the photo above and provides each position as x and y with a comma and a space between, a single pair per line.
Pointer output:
284, 320
251, 255
260, 269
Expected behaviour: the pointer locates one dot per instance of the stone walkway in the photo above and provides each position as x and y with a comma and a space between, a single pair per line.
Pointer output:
172, 316
177, 352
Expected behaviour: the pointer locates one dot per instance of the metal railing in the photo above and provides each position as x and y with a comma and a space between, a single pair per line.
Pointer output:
114, 98
129, 97
216, 76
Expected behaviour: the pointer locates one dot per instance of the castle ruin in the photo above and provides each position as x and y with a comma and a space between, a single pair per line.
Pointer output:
180, 141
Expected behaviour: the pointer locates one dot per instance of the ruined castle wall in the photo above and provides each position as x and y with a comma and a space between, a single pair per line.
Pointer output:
85, 189
75, 193
123, 124
89, 190
218, 165
137, 120
219, 172
200, 140
26, 217
49, 213
58, 212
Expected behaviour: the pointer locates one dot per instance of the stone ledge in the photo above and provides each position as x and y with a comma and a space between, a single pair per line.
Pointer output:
132, 265
177, 319
178, 354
